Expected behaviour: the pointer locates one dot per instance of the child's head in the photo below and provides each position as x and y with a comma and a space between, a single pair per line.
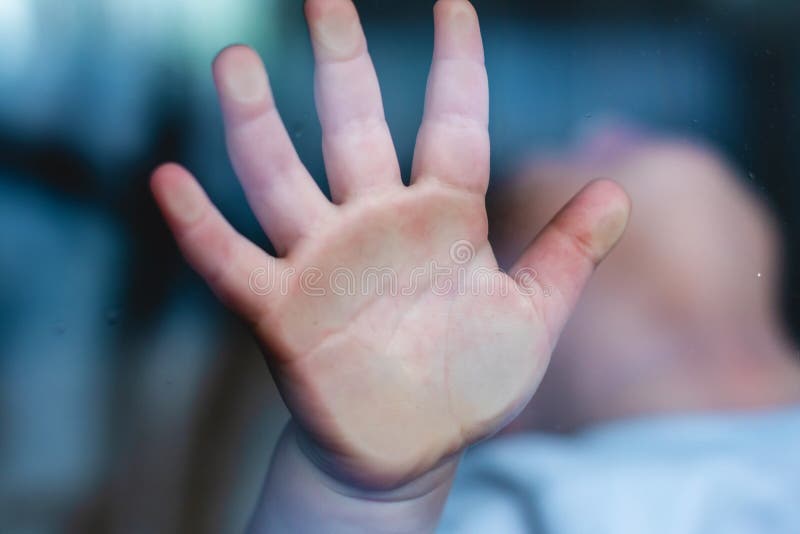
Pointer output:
697, 268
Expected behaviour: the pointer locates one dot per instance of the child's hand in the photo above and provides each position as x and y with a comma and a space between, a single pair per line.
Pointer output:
392, 336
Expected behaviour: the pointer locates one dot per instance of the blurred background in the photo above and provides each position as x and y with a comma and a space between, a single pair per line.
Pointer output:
130, 401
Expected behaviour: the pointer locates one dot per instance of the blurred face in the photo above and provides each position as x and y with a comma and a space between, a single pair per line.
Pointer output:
696, 260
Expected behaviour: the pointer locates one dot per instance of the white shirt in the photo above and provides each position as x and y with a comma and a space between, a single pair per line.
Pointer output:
704, 474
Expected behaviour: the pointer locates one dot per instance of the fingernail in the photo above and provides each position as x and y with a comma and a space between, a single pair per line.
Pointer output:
244, 78
185, 202
338, 33
610, 229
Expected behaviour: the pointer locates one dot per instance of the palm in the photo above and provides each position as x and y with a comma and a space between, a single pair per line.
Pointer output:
399, 369
393, 337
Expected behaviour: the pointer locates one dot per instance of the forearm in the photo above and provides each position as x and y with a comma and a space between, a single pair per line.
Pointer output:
299, 497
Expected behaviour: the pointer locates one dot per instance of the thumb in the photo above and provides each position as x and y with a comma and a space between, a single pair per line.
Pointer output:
562, 257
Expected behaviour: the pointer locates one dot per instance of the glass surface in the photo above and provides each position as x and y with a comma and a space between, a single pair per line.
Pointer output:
132, 401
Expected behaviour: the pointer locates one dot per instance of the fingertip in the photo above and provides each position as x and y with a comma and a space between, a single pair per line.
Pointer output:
335, 29
168, 168
457, 30
162, 175
454, 7
233, 53
239, 75
607, 208
316, 10
612, 192
228, 50
177, 193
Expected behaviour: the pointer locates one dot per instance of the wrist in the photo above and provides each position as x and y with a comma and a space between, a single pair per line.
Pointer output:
345, 482
299, 496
